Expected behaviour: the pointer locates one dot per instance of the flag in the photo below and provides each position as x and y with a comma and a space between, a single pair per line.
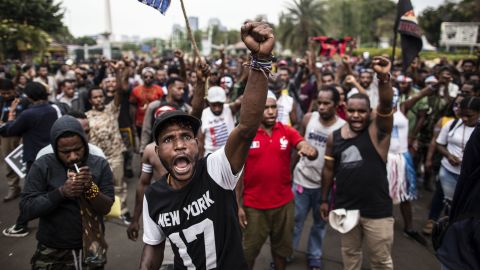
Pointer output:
160, 5
330, 46
411, 36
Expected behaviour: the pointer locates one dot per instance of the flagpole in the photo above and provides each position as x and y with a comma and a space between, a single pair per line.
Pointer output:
395, 34
190, 34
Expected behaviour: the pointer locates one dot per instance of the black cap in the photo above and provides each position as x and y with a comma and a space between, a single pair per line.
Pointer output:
180, 116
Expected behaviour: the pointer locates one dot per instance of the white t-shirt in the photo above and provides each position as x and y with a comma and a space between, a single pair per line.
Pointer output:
456, 140
399, 138
284, 107
216, 128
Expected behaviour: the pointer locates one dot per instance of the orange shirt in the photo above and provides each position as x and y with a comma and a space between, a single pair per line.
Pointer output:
142, 96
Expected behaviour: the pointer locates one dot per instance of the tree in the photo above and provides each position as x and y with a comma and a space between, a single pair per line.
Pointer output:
84, 40
304, 19
28, 26
431, 18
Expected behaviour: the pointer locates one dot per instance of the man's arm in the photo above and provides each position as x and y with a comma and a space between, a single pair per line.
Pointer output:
242, 217
103, 202
152, 256
259, 38
409, 103
384, 114
327, 176
183, 70
143, 183
146, 136
236, 105
198, 100
201, 143
36, 200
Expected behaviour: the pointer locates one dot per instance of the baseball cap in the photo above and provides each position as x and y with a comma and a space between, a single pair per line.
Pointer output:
216, 94
162, 109
177, 115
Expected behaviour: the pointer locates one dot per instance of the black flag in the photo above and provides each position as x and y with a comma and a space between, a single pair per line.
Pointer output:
407, 25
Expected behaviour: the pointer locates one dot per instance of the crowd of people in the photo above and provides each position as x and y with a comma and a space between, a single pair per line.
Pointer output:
233, 149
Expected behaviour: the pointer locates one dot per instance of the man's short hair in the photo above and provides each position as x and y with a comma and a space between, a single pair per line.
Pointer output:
91, 89
333, 90
471, 61
360, 96
328, 73
36, 91
173, 80
6, 84
42, 66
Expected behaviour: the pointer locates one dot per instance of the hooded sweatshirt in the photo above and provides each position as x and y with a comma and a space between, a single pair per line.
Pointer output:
60, 223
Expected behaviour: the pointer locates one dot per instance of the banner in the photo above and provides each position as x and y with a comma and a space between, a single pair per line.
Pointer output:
406, 24
330, 46
15, 161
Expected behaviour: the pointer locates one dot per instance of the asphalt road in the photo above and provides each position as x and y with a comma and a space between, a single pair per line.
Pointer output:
15, 253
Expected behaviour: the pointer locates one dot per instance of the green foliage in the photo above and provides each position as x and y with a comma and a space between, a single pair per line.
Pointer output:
304, 19
84, 40
42, 14
27, 26
365, 20
431, 18
17, 39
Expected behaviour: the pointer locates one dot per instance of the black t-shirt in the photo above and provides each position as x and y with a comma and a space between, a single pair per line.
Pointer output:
360, 176
200, 220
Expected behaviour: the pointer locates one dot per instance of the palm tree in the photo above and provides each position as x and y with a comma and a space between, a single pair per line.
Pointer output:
304, 19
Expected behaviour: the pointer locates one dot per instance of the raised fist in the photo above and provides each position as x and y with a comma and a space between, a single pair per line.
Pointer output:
381, 65
259, 38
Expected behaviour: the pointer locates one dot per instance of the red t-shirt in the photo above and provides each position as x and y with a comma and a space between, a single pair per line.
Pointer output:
267, 183
142, 96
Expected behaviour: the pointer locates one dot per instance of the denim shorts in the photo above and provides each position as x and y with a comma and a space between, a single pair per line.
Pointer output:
448, 180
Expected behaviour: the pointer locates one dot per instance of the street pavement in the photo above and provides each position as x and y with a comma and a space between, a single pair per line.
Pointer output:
15, 253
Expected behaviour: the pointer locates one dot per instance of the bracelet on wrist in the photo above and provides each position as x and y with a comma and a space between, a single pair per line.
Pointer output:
384, 77
92, 192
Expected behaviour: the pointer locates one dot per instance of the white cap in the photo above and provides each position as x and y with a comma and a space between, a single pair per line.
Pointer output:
343, 220
271, 95
216, 94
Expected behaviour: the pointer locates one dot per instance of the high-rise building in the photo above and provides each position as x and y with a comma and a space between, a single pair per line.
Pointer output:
193, 23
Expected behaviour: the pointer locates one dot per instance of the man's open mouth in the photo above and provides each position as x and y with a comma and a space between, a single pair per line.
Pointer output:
182, 165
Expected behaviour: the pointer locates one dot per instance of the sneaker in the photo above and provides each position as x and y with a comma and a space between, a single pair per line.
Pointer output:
16, 231
126, 218
416, 236
427, 229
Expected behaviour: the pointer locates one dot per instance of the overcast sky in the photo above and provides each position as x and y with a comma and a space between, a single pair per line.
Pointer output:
130, 17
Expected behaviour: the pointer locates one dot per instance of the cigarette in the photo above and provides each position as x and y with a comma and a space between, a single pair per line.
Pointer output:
76, 167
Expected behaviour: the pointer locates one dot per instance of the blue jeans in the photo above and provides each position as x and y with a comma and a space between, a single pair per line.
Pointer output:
448, 180
304, 201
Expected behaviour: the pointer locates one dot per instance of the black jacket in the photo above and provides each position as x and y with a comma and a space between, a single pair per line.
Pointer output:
60, 221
